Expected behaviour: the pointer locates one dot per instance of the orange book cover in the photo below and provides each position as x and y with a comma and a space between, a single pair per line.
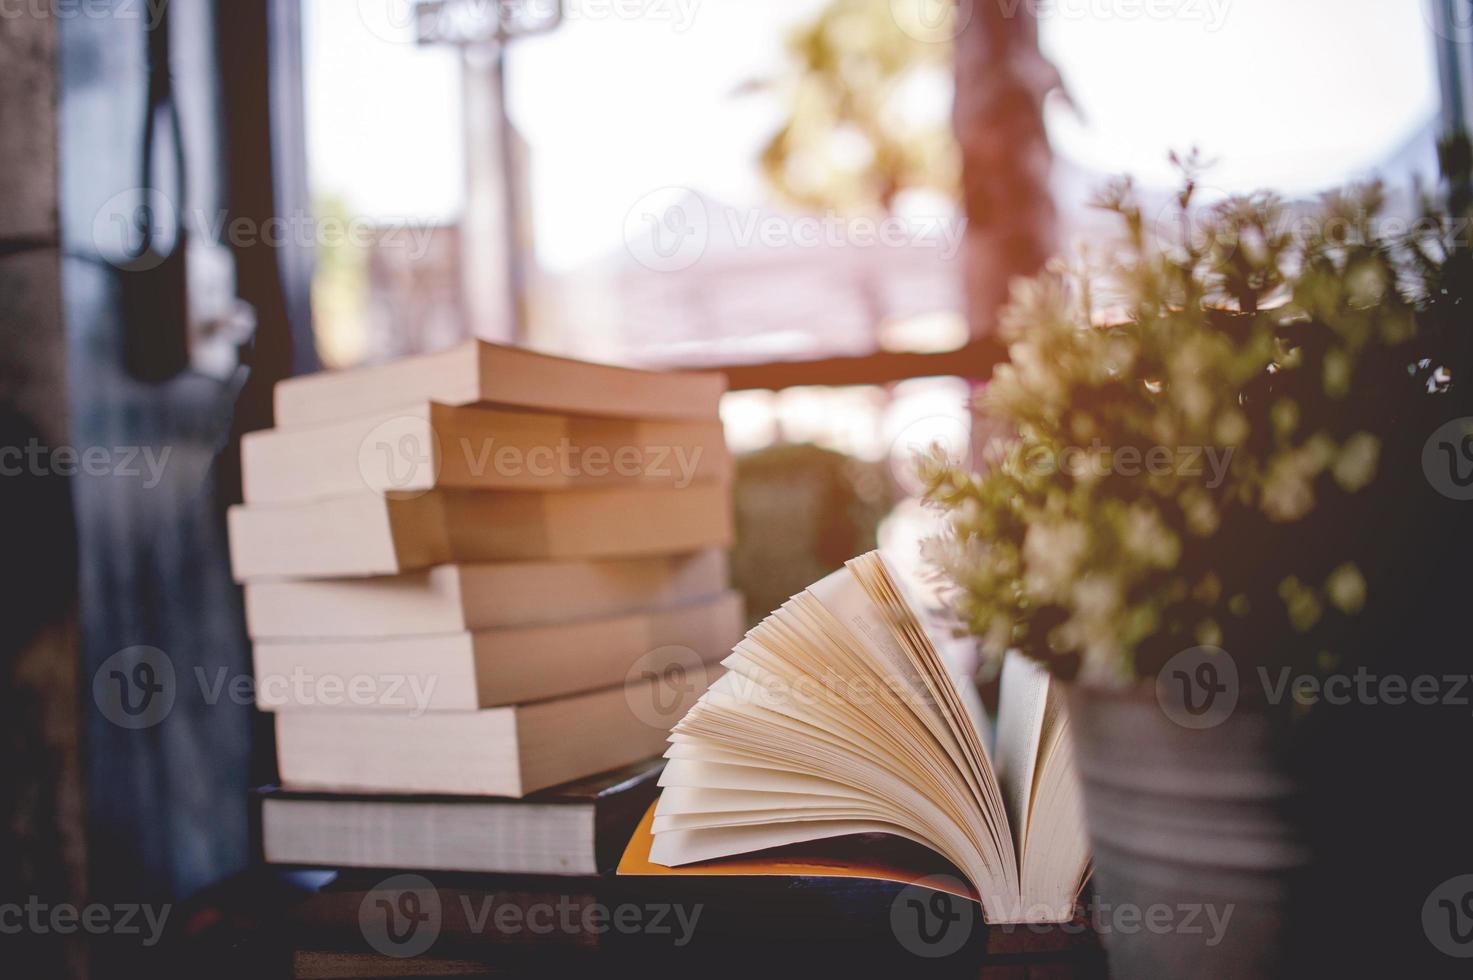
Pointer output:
872, 856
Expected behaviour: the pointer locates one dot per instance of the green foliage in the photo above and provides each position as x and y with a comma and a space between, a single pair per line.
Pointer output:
1201, 427
850, 140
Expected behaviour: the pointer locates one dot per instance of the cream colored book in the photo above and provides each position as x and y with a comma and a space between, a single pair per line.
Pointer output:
467, 671
375, 534
477, 372
837, 716
508, 751
452, 598
427, 446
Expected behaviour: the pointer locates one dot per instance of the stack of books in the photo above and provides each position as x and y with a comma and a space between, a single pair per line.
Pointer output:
473, 577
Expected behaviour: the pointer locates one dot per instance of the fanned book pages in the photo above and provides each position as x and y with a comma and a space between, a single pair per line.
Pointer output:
837, 716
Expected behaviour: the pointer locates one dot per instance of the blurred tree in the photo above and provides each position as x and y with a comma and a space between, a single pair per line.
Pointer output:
860, 81
851, 141
997, 115
340, 287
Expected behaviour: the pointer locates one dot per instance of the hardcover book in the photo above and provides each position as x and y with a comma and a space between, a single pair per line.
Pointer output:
578, 828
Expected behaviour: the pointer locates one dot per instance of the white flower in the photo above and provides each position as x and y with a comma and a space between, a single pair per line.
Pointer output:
1355, 467
1052, 551
1147, 537
1346, 588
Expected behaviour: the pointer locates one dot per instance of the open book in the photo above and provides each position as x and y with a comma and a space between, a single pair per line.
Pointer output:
837, 716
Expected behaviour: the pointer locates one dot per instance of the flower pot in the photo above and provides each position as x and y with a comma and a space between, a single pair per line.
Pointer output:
1200, 855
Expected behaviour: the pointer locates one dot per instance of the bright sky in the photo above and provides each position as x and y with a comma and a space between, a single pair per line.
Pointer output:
1297, 94
1293, 94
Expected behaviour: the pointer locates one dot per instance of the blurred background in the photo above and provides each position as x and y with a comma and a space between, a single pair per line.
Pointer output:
825, 198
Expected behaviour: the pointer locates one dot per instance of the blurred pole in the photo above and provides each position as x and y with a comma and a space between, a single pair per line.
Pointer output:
493, 266
1452, 22
490, 236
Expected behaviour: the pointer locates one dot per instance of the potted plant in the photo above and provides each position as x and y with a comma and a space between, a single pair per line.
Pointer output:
1215, 496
